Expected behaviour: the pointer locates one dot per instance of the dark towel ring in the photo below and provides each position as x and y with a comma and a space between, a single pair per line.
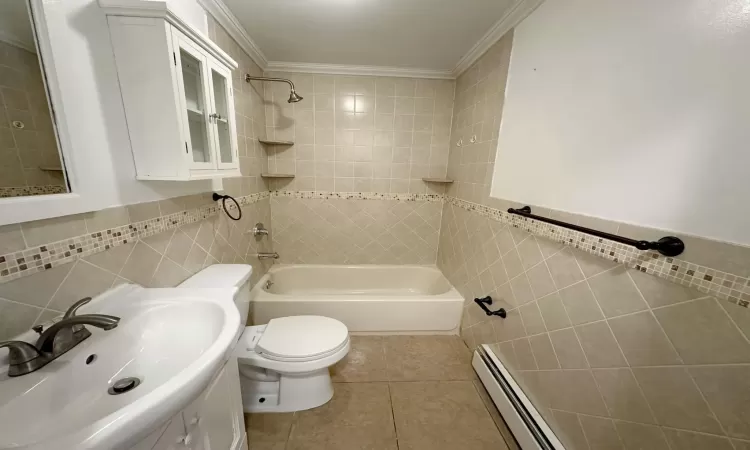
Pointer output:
223, 199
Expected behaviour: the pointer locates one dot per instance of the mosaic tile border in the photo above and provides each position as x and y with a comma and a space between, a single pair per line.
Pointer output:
325, 195
43, 257
719, 284
22, 191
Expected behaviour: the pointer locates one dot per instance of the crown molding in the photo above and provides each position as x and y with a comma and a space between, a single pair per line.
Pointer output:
506, 23
342, 69
226, 18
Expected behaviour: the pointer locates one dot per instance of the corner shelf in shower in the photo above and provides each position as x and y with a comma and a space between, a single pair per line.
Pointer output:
438, 180
277, 175
274, 142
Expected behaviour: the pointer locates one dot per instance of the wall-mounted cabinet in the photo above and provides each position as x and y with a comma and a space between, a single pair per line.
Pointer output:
177, 90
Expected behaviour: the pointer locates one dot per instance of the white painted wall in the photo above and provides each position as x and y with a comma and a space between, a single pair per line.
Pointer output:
98, 156
634, 111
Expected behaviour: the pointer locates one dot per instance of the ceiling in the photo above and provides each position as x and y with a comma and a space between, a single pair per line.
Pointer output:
15, 24
410, 34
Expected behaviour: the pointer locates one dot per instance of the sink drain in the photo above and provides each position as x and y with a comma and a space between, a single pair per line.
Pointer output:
124, 385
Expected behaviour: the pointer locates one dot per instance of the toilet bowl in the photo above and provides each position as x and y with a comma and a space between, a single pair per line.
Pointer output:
284, 363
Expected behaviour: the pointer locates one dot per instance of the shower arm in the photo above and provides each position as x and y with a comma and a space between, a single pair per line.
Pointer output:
249, 77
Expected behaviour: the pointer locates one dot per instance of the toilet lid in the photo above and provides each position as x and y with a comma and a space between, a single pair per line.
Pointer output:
301, 338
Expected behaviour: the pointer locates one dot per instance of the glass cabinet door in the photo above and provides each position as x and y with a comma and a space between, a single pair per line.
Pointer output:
193, 86
223, 117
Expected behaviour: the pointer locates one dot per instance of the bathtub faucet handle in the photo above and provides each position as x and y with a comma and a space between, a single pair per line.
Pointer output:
488, 301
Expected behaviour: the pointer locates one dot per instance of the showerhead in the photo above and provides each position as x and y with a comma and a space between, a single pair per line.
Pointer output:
293, 97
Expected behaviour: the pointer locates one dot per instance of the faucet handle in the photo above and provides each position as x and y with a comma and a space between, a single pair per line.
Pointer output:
71, 312
20, 352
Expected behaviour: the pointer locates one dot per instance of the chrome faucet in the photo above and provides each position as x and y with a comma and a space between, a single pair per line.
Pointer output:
56, 340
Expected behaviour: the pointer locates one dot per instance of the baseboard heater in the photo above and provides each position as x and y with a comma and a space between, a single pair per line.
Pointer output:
523, 419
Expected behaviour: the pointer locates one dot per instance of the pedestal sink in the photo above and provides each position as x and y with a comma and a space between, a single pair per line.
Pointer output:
167, 347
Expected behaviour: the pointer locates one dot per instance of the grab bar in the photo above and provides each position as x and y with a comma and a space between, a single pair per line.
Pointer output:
667, 246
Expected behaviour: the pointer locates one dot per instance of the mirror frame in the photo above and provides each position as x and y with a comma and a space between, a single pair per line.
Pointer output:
49, 26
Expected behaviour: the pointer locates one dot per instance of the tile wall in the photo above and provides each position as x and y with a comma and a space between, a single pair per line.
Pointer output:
153, 244
614, 358
354, 229
359, 134
24, 150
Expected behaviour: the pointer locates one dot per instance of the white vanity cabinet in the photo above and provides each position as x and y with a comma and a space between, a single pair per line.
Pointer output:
177, 92
214, 421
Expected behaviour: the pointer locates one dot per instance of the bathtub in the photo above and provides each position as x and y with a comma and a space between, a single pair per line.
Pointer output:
369, 299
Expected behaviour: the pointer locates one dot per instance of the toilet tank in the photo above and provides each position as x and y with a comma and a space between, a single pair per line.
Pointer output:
224, 276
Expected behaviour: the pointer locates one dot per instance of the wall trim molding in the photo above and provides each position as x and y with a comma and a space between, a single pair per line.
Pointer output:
226, 18
512, 18
343, 69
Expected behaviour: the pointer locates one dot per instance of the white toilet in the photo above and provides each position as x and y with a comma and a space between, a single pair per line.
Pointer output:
283, 364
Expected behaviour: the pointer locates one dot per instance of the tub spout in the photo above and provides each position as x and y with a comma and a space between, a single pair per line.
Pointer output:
273, 255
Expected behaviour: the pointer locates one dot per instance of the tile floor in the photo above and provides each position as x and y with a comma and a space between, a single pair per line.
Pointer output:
393, 393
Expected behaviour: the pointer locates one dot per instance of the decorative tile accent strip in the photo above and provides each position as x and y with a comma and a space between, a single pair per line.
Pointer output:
44, 257
23, 191
322, 195
722, 285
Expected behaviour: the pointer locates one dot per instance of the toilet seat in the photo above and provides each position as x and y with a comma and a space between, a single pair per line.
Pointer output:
302, 338
295, 344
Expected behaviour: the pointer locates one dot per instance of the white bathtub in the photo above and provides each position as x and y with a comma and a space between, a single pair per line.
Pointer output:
368, 299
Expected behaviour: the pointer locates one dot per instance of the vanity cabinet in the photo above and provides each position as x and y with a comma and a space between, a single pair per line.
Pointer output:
214, 421
176, 88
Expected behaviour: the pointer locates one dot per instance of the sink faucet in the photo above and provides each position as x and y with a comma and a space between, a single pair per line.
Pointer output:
56, 340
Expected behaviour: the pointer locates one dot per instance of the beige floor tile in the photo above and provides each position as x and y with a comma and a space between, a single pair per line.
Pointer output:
358, 412
272, 427
365, 361
348, 443
442, 415
424, 358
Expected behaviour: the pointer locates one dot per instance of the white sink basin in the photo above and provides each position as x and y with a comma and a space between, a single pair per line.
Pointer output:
173, 340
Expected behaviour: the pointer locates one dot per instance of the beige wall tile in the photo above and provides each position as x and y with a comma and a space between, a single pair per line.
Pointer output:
702, 333
642, 340
675, 400
113, 259
143, 211
141, 265
622, 395
11, 239
592, 265
600, 433
660, 292
599, 345
636, 436
45, 231
524, 354
616, 293
569, 430
540, 281
532, 319
727, 391
84, 280
564, 269
573, 390
686, 440
169, 274
16, 318
544, 354
553, 312
38, 289
106, 218
521, 289
580, 304
528, 251
568, 349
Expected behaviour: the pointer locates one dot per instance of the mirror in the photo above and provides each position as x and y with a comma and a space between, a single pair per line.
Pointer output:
30, 160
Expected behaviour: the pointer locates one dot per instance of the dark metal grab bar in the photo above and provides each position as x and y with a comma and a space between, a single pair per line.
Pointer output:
667, 246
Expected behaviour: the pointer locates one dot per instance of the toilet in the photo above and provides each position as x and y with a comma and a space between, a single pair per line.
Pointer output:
284, 363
